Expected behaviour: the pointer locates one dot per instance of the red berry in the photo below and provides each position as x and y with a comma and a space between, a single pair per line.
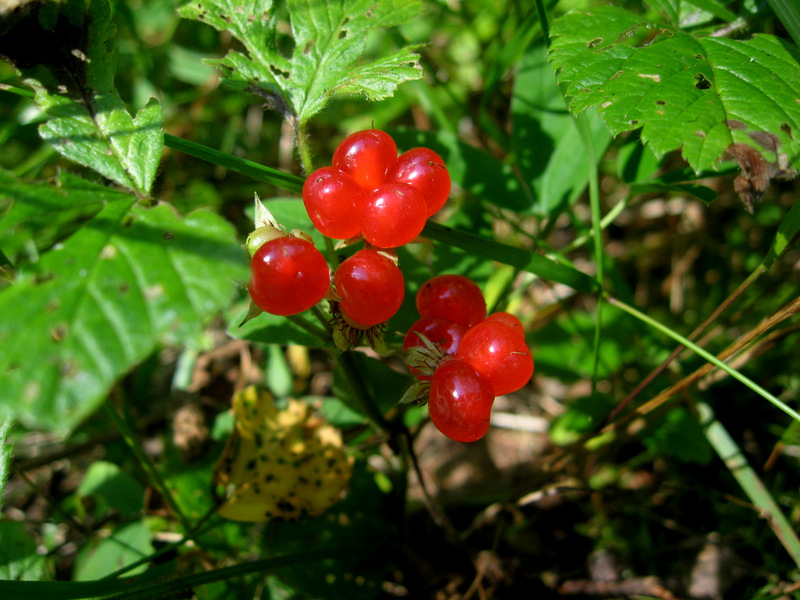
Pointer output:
287, 276
426, 171
334, 202
499, 353
393, 215
444, 333
509, 319
460, 401
366, 156
371, 286
452, 297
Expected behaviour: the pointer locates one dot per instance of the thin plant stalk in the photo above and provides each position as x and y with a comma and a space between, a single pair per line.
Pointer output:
704, 354
153, 475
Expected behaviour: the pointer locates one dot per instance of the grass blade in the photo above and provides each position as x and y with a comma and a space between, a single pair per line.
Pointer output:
286, 181
544, 267
706, 355
730, 453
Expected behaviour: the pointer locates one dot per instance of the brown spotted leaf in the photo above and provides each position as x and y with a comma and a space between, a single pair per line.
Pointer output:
713, 98
279, 462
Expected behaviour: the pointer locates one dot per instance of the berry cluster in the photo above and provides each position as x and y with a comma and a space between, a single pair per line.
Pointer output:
367, 193
462, 358
468, 358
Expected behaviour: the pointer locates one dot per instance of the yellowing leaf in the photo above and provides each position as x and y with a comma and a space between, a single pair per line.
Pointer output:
279, 462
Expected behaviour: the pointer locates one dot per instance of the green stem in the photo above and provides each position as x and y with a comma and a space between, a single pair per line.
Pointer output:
303, 148
140, 587
317, 332
703, 353
147, 465
543, 22
199, 528
361, 394
597, 235
25, 93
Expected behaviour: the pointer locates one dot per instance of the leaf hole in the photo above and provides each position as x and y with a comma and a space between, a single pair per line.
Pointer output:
594, 42
660, 102
342, 34
279, 72
701, 82
309, 46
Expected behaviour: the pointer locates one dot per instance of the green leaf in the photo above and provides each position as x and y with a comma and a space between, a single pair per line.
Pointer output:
99, 303
710, 96
74, 84
678, 435
42, 213
125, 546
117, 489
547, 144
329, 39
18, 557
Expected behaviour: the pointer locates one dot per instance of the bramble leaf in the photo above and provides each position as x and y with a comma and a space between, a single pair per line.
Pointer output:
101, 301
712, 97
328, 37
73, 77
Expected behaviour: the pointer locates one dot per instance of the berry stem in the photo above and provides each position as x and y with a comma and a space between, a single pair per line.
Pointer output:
154, 476
303, 149
361, 395
317, 332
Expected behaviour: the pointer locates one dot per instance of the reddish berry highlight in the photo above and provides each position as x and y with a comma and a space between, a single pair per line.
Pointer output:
393, 215
366, 156
499, 353
460, 401
371, 287
426, 171
334, 202
453, 297
287, 276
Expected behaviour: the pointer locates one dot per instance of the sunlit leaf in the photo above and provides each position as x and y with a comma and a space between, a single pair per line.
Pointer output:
328, 40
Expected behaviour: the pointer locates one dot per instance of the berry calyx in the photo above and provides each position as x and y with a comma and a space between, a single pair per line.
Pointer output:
366, 156
444, 334
426, 171
334, 202
371, 288
452, 297
499, 353
394, 215
288, 275
460, 401
260, 236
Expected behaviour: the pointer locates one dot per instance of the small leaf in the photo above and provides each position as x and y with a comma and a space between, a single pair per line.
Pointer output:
112, 488
18, 557
126, 545
73, 77
712, 97
98, 304
329, 38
